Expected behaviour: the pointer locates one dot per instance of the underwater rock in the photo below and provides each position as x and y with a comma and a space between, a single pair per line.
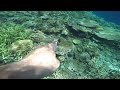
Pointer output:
21, 45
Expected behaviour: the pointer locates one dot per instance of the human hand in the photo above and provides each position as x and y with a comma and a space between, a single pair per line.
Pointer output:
37, 64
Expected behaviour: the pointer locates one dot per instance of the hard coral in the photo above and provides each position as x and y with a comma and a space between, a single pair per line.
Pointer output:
21, 46
64, 46
38, 36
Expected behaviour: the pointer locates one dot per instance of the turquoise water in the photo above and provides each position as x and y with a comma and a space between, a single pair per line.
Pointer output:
111, 16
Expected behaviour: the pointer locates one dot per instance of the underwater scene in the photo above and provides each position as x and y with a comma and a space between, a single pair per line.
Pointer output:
85, 44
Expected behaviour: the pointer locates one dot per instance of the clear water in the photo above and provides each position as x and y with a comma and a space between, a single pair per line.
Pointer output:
111, 16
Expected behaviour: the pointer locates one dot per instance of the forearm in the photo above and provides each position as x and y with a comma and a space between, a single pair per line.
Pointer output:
39, 63
26, 72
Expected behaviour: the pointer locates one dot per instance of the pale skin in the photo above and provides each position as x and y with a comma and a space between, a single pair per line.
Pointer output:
39, 63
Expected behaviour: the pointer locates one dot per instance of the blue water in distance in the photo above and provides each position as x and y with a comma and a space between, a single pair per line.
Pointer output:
110, 16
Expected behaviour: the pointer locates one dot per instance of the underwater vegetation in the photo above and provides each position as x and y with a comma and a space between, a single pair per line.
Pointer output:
9, 34
88, 47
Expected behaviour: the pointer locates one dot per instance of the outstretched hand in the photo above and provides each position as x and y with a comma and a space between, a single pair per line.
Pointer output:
37, 64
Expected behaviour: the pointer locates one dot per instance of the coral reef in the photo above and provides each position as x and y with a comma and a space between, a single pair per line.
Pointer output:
85, 41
